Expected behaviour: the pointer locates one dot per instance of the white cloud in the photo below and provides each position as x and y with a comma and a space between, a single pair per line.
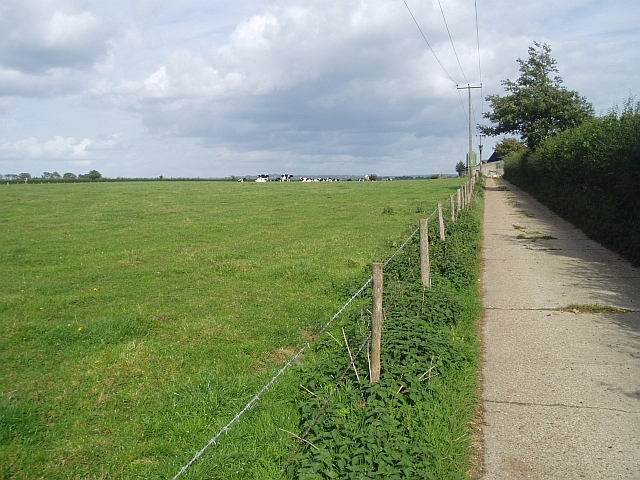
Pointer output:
58, 147
36, 36
330, 84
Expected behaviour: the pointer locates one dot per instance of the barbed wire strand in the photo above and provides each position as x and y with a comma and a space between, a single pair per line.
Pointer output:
303, 436
256, 397
324, 405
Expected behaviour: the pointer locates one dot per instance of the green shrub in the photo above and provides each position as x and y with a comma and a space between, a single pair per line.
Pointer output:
590, 175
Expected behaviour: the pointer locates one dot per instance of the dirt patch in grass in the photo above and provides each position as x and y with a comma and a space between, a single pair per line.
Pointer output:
282, 354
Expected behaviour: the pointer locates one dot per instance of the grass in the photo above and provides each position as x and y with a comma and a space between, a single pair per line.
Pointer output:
416, 422
138, 318
535, 236
592, 308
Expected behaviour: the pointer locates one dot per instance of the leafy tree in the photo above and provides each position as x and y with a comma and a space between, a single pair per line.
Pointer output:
69, 176
509, 145
51, 176
92, 175
460, 168
536, 106
24, 176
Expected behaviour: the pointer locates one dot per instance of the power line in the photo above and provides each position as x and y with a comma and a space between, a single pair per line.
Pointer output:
480, 72
425, 39
452, 45
478, 40
479, 65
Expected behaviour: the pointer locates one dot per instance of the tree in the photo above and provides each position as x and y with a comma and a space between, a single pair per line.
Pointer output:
92, 175
509, 145
536, 106
460, 168
69, 176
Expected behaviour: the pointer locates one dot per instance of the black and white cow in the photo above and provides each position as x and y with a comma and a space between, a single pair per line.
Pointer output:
262, 178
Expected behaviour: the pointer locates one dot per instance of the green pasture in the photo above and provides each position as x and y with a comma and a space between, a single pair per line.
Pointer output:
136, 319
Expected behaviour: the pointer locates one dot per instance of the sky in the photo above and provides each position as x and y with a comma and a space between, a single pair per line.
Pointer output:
209, 88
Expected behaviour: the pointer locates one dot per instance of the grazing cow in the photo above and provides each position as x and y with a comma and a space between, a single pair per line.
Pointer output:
262, 178
286, 177
242, 180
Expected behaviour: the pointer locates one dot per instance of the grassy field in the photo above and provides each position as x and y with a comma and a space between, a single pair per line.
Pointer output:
138, 318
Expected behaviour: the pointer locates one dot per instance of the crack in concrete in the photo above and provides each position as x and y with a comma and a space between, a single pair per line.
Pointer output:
532, 404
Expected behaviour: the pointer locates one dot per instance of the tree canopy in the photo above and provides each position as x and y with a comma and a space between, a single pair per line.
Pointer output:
509, 145
537, 106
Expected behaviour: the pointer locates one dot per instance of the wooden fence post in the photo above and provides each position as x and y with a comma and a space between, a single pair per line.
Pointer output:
441, 222
464, 196
425, 267
376, 322
459, 199
453, 209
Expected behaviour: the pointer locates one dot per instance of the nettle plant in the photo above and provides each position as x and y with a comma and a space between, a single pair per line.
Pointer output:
415, 421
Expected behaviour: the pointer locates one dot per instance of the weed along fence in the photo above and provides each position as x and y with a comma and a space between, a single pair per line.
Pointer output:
391, 388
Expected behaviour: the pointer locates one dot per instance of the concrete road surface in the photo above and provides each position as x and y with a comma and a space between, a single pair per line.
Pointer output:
561, 389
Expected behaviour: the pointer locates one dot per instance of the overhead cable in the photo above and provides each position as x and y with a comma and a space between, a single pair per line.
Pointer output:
425, 39
452, 45
479, 65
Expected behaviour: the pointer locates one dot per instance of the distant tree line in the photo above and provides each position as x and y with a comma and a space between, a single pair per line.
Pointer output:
93, 175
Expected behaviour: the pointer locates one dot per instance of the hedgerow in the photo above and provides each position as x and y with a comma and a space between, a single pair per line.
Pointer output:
590, 175
416, 421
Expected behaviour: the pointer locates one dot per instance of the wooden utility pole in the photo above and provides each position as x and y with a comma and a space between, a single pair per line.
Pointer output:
469, 87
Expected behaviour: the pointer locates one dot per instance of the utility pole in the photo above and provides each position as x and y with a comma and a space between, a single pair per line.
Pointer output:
469, 87
480, 147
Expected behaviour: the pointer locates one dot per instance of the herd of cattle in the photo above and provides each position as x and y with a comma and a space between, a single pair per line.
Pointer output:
286, 177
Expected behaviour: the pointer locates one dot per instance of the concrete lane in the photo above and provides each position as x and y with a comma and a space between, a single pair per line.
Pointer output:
561, 390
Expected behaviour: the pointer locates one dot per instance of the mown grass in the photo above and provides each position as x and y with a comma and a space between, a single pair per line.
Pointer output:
138, 318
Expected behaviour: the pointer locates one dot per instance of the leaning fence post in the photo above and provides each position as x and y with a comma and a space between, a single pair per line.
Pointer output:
376, 322
441, 222
453, 209
425, 267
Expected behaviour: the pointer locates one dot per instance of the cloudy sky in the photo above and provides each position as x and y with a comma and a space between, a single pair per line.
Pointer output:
209, 88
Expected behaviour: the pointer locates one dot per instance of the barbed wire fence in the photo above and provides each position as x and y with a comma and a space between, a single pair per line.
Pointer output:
464, 201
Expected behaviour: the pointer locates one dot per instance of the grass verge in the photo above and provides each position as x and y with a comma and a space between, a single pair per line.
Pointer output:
416, 422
